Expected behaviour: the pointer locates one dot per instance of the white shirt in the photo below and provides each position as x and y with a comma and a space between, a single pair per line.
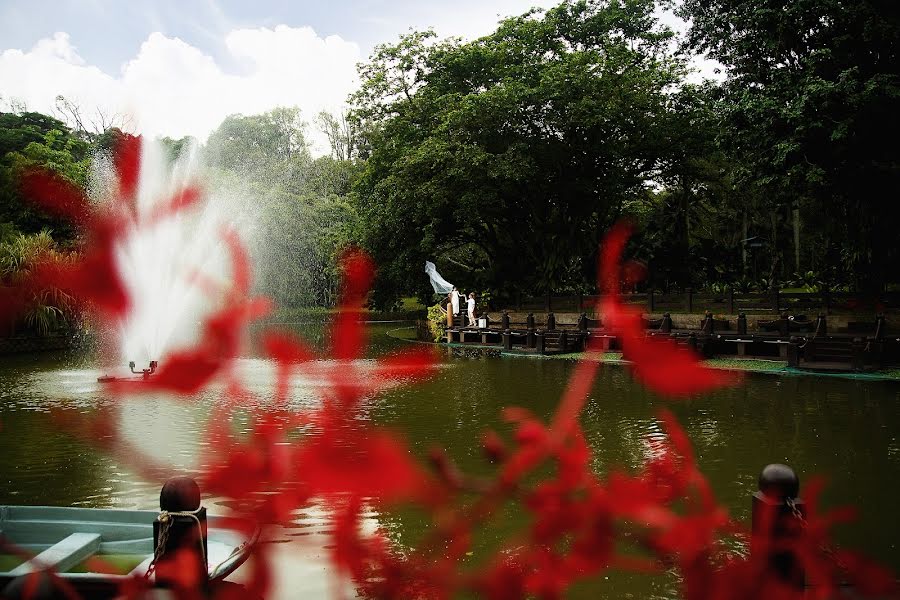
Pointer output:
471, 304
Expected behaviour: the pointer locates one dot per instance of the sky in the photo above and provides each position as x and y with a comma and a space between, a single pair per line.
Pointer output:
178, 67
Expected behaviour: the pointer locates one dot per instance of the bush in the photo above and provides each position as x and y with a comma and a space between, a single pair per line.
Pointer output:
437, 321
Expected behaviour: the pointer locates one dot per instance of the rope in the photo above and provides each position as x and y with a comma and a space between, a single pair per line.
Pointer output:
165, 523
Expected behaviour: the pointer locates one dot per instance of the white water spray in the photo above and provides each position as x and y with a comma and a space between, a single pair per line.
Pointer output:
160, 260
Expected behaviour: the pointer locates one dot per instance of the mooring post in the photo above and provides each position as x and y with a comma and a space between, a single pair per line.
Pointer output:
879, 327
504, 321
858, 358
821, 326
551, 322
731, 301
180, 526
742, 324
563, 341
779, 516
582, 322
793, 352
666, 325
539, 341
507, 339
784, 325
707, 325
692, 341
529, 321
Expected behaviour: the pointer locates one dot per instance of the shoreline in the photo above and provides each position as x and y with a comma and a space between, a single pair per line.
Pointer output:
744, 365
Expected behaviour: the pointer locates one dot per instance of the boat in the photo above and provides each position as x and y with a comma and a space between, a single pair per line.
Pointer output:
64, 538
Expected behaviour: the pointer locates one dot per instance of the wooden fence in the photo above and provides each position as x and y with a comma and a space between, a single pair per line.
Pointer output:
725, 303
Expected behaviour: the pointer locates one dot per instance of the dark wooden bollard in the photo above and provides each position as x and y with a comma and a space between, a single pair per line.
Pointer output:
779, 516
784, 325
563, 341
706, 327
692, 342
582, 322
793, 352
879, 327
504, 321
858, 360
551, 322
529, 321
821, 326
742, 324
181, 525
539, 342
666, 325
507, 340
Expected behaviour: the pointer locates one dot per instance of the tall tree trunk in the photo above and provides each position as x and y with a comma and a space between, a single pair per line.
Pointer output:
744, 242
796, 219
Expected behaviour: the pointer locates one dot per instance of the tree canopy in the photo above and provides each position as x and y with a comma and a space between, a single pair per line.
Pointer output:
808, 111
509, 156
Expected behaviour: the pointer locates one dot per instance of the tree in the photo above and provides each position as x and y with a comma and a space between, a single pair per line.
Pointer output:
261, 146
33, 140
300, 206
510, 155
90, 126
341, 134
809, 111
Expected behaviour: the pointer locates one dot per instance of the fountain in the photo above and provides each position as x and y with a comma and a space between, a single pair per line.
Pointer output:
166, 262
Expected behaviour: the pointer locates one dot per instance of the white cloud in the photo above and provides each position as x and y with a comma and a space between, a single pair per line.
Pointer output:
172, 88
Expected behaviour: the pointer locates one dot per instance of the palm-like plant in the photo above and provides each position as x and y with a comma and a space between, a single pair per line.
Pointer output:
49, 308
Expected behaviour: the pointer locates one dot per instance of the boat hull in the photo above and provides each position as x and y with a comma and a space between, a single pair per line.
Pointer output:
122, 539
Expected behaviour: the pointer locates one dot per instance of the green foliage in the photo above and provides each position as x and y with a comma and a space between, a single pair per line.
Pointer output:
513, 153
809, 113
437, 321
260, 146
33, 140
303, 217
49, 308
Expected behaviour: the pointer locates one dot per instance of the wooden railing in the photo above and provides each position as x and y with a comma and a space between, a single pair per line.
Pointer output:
728, 302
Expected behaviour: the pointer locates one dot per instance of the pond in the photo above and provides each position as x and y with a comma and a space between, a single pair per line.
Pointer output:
844, 429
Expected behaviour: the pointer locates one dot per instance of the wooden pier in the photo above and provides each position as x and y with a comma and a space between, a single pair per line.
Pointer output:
801, 343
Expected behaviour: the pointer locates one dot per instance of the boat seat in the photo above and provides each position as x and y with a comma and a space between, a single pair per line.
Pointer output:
62, 555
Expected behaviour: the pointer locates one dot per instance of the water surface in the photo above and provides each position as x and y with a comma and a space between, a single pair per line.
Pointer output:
846, 430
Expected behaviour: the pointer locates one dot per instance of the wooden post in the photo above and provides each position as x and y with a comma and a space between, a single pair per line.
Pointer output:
793, 352
539, 341
174, 534
821, 326
858, 360
778, 516
742, 324
551, 322
776, 299
784, 325
651, 302
730, 301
